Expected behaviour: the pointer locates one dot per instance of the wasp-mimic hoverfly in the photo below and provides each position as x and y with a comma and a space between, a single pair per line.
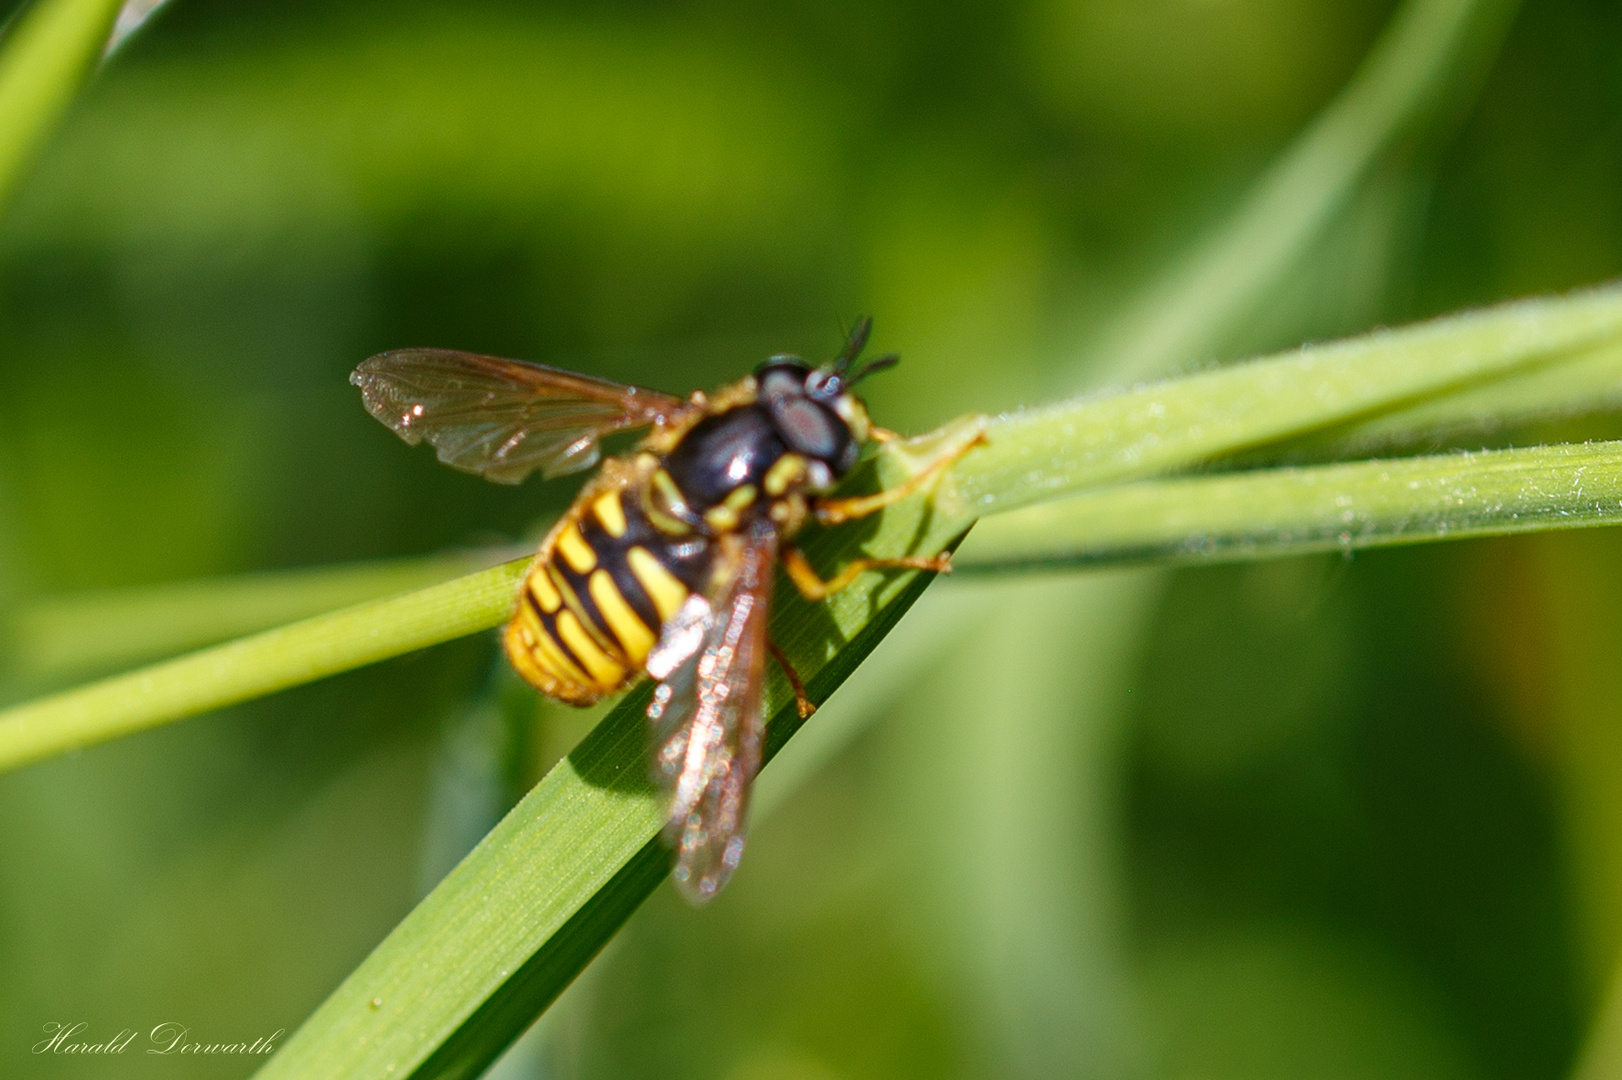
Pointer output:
664, 563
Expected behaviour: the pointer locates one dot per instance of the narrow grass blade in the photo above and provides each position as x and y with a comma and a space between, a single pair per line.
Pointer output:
44, 57
1029, 457
54, 636
1408, 71
473, 965
1037, 937
465, 1001
1024, 718
1279, 512
1173, 425
258, 665
1584, 382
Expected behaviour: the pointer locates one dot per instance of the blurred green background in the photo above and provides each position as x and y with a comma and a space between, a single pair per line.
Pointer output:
1320, 817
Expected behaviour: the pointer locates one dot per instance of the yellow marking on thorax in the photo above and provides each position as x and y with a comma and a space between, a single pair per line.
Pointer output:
605, 670
634, 636
541, 588
666, 592
724, 518
576, 552
788, 469
610, 513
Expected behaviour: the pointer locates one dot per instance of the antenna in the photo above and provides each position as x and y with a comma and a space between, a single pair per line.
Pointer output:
853, 345
888, 360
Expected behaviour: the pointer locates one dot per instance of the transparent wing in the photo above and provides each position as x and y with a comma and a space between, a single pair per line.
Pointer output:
504, 419
706, 712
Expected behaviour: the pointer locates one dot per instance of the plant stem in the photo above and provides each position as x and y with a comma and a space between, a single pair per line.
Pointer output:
254, 666
1278, 512
46, 55
47, 637
1173, 425
1403, 77
503, 934
1031, 457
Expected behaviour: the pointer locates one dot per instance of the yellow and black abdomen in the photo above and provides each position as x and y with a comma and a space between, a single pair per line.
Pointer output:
603, 584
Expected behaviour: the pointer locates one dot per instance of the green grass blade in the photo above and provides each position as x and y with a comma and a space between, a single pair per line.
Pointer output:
502, 935
1049, 922
1408, 71
466, 1007
1031, 457
1587, 381
1278, 512
258, 665
1052, 953
45, 56
53, 636
1173, 425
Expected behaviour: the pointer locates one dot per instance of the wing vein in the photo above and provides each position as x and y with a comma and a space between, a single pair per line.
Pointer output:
505, 419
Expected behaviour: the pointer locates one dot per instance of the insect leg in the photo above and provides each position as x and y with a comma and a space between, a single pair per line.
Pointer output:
801, 701
836, 511
813, 588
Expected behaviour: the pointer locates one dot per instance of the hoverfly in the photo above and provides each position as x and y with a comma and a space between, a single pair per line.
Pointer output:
664, 563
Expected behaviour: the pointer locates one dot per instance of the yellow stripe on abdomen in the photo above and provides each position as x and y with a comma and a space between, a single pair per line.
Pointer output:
574, 549
543, 663
595, 602
633, 634
662, 587
541, 588
609, 513
607, 671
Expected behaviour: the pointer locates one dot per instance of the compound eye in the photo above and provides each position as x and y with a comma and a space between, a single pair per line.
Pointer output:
807, 428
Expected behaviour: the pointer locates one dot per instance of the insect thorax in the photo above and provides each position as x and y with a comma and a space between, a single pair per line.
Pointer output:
759, 454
